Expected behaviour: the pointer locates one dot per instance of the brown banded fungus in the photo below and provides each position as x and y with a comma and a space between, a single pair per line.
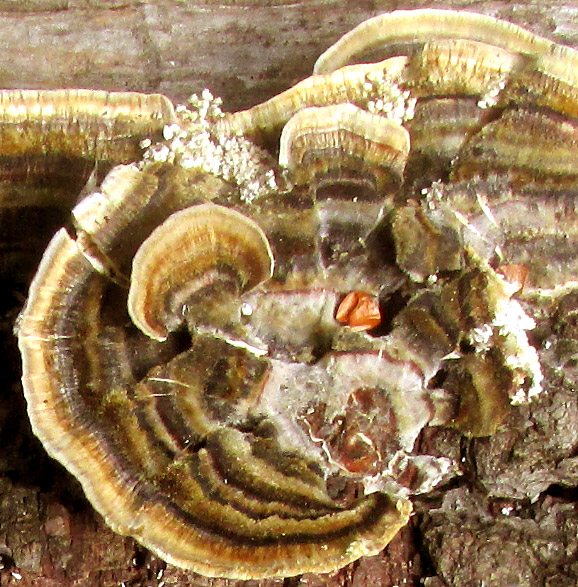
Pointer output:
236, 354
212, 248
344, 139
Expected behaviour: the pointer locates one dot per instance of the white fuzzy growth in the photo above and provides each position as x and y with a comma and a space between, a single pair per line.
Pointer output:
491, 97
193, 144
512, 323
508, 331
386, 97
480, 337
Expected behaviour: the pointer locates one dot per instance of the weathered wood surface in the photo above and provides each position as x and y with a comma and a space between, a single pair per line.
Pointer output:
243, 51
483, 529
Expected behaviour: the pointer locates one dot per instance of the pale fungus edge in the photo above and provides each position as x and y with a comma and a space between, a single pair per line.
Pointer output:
429, 24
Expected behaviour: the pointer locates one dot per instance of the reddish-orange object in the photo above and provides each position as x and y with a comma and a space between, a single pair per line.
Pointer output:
515, 273
359, 310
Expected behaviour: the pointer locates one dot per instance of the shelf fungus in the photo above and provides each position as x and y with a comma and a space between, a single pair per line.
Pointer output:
241, 333
212, 249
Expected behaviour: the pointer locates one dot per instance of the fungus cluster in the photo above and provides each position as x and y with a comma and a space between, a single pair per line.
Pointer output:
240, 382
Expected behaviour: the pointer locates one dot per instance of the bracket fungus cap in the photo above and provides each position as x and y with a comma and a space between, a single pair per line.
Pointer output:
318, 139
190, 250
429, 24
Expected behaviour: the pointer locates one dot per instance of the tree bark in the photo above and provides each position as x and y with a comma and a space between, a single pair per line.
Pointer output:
511, 520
